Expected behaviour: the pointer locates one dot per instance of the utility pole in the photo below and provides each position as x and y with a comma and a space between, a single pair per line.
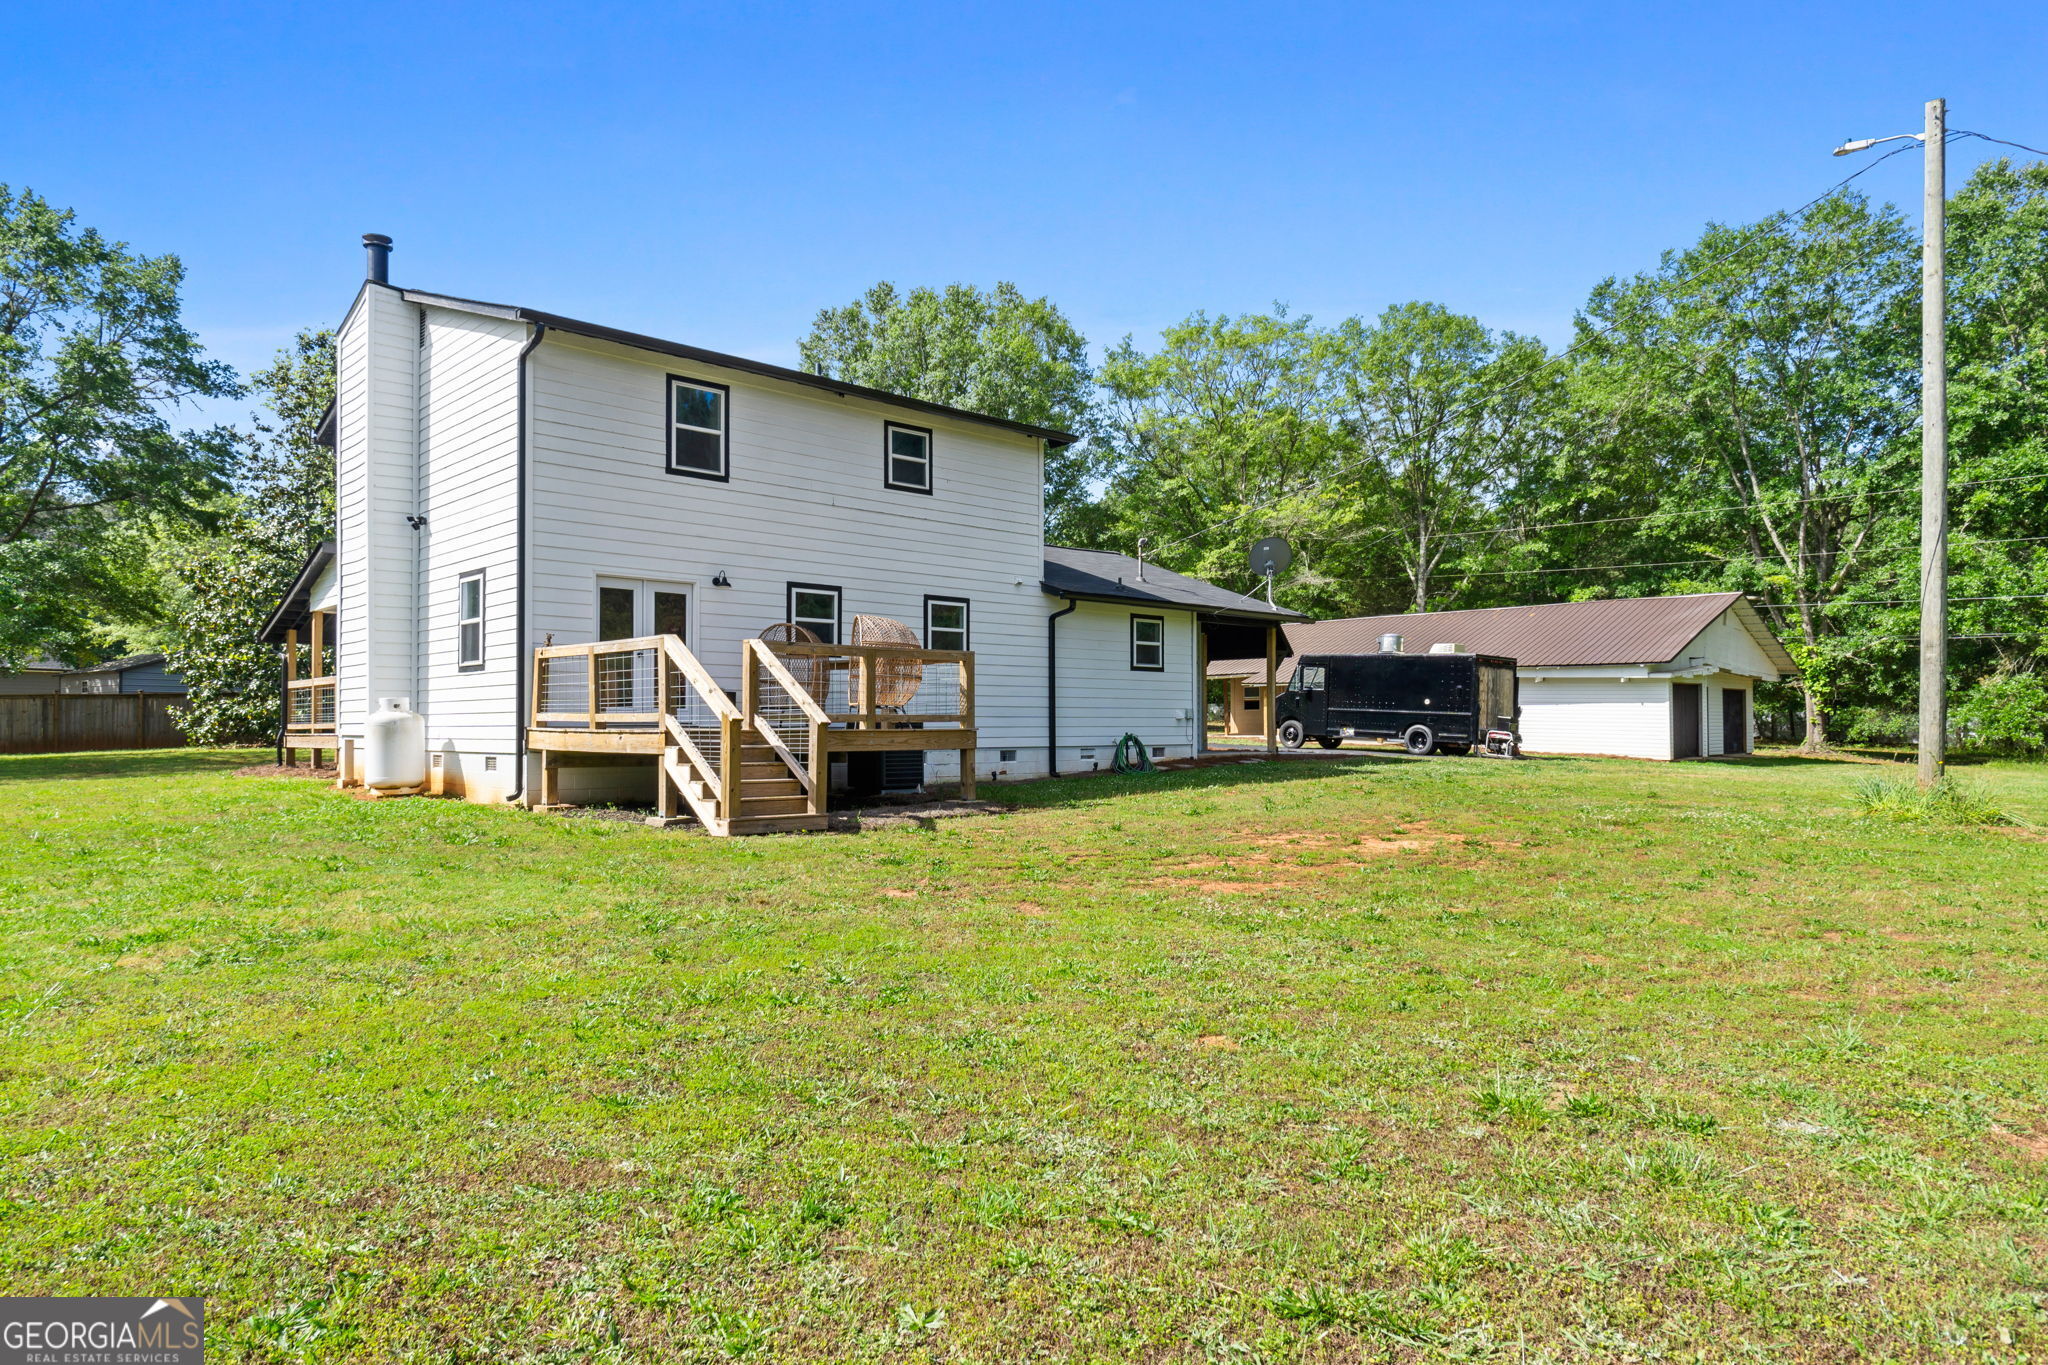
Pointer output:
1934, 456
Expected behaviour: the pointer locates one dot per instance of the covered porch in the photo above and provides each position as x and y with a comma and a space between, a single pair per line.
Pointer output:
303, 627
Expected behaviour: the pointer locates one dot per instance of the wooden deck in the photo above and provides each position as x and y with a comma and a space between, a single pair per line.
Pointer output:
761, 761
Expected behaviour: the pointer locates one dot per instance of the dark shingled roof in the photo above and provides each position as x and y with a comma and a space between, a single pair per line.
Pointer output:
1629, 630
292, 609
1104, 576
122, 665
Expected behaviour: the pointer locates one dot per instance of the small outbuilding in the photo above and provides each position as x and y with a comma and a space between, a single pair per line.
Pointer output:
1638, 677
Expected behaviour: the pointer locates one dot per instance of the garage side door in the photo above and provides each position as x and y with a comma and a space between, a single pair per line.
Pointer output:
1685, 720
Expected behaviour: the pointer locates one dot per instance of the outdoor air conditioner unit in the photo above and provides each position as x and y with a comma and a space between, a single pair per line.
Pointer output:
1446, 647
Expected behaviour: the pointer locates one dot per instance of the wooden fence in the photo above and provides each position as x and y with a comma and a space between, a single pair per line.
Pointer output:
56, 723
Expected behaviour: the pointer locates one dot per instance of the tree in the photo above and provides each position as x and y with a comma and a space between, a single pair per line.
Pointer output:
1214, 440
994, 352
230, 581
1442, 419
93, 355
1766, 375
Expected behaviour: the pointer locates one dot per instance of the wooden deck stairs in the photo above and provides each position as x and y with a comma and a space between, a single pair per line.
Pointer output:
770, 801
652, 696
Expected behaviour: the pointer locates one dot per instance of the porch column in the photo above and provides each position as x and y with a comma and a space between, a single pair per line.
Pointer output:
1270, 701
1202, 690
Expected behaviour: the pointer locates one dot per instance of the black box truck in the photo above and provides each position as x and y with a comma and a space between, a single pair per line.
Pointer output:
1431, 703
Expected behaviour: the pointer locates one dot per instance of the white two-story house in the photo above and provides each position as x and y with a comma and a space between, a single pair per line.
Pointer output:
519, 493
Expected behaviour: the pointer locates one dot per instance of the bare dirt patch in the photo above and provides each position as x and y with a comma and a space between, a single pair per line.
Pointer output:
1266, 867
1217, 1042
2032, 1144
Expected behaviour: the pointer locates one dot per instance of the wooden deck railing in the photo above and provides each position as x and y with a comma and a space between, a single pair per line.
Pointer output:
309, 706
885, 687
799, 701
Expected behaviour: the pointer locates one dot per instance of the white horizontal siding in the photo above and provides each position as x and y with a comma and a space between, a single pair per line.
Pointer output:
469, 496
1630, 717
1727, 646
1102, 698
805, 503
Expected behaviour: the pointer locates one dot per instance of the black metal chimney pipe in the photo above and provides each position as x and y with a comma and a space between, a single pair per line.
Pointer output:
377, 250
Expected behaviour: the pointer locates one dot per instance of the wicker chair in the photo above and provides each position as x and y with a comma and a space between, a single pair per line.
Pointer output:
896, 680
811, 672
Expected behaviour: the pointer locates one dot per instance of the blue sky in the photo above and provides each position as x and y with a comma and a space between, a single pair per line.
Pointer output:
718, 173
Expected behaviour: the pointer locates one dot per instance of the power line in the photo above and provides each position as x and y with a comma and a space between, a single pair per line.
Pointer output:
1730, 507
1986, 137
1753, 235
1687, 563
1907, 601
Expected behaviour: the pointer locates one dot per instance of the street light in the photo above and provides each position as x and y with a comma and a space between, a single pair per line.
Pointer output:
1933, 444
1864, 144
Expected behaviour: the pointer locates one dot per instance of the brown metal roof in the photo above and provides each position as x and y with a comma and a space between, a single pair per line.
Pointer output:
1628, 630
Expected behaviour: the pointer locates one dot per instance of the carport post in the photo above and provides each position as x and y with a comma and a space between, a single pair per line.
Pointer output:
1272, 702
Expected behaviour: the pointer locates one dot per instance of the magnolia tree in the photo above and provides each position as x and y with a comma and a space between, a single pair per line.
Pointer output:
230, 581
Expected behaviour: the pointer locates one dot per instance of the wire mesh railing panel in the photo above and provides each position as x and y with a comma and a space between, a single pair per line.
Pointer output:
700, 720
938, 691
774, 704
625, 681
311, 708
564, 684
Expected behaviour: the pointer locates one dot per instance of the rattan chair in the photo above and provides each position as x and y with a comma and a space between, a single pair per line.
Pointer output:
811, 672
896, 680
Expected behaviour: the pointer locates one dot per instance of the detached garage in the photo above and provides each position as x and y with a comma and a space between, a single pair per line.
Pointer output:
1640, 677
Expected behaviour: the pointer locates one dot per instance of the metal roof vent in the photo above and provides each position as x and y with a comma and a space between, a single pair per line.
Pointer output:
1390, 643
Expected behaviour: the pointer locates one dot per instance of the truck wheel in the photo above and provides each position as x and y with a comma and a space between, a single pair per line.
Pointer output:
1330, 741
1291, 734
1418, 740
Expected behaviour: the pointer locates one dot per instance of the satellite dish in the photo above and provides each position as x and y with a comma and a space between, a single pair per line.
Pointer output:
1271, 555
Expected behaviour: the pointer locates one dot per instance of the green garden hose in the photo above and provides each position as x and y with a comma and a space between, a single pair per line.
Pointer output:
1129, 766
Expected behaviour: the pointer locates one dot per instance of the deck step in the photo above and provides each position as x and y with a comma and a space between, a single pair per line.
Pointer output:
785, 785
774, 824
753, 807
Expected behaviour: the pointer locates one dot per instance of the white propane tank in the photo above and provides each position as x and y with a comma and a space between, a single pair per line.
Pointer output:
395, 741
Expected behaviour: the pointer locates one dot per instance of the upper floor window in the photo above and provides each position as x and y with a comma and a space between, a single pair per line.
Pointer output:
945, 623
1148, 643
469, 620
697, 428
907, 458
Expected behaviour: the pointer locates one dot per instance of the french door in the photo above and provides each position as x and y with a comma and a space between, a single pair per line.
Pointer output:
627, 609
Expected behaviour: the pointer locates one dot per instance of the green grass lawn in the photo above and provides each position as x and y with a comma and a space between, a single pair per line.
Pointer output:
1378, 1059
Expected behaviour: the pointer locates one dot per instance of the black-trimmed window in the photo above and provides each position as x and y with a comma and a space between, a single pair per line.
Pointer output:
1148, 643
815, 607
906, 458
697, 428
945, 623
469, 620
